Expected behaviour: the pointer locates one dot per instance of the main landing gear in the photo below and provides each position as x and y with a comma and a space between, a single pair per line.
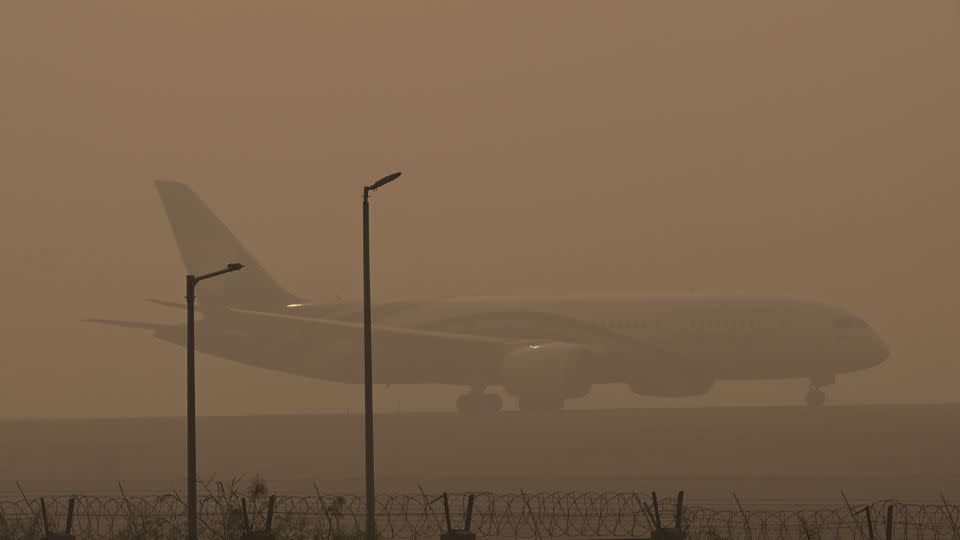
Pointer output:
815, 396
478, 402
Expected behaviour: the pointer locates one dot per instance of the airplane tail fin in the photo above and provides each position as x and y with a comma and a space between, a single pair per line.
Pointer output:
207, 245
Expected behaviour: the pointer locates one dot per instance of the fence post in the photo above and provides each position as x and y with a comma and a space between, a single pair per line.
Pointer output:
47, 534
70, 515
459, 534
446, 511
679, 513
867, 510
469, 516
43, 516
246, 529
656, 511
270, 506
852, 513
889, 535
244, 516
29, 506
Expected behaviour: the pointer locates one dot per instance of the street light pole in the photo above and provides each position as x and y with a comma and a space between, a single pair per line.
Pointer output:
368, 376
191, 416
370, 493
192, 282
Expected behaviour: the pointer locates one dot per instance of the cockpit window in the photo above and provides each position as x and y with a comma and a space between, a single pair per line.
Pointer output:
848, 322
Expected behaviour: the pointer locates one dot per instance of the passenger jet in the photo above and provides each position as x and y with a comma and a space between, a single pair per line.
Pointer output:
541, 350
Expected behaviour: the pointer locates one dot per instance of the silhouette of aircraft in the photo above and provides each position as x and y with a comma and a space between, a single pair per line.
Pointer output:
541, 350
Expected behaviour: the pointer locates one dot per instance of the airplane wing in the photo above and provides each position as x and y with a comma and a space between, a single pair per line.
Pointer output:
479, 337
404, 355
379, 329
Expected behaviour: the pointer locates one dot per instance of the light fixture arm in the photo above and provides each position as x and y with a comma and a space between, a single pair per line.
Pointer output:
232, 267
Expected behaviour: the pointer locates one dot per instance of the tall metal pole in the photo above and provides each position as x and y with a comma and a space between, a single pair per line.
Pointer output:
370, 493
192, 282
191, 416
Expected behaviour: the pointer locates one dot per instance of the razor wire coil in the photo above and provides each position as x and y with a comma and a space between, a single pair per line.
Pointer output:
495, 515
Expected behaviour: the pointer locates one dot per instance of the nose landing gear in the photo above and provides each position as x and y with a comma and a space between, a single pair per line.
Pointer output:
816, 397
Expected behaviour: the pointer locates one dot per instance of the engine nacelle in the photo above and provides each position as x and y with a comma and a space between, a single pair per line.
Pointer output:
548, 369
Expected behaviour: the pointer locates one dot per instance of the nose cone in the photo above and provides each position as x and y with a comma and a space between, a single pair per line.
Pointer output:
879, 351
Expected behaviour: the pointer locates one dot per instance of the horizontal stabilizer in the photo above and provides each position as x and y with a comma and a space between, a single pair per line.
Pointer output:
127, 324
166, 303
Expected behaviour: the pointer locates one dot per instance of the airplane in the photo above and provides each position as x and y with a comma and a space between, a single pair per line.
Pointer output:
543, 351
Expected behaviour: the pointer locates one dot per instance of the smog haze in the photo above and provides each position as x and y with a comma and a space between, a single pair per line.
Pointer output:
804, 150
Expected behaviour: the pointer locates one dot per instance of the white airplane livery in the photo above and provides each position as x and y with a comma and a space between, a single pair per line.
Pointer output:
541, 350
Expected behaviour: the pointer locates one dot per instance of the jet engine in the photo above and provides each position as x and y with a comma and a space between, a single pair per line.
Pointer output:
542, 375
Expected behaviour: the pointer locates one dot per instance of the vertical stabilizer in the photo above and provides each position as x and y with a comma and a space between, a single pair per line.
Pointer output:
206, 245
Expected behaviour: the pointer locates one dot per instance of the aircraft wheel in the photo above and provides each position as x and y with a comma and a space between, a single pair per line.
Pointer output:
816, 397
479, 403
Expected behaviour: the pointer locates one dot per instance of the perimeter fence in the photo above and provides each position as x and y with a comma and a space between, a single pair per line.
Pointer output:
515, 515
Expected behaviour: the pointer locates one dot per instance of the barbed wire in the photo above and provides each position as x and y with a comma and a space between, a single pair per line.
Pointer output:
503, 515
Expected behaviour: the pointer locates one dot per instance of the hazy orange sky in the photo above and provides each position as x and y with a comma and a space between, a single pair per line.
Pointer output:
806, 149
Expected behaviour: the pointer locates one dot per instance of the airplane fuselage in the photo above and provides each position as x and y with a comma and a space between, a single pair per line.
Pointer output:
661, 346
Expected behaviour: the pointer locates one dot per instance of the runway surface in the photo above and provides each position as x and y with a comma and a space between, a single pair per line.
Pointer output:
764, 454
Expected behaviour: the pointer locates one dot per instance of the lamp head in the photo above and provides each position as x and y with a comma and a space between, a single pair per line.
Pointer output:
234, 266
385, 180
